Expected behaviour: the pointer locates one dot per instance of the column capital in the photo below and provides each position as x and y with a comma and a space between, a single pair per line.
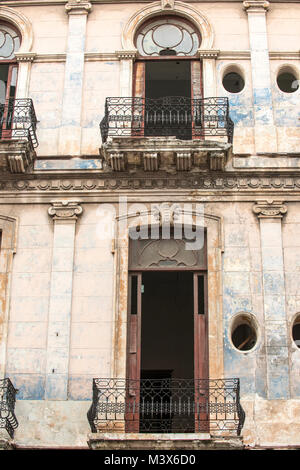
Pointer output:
78, 7
269, 209
208, 53
25, 56
127, 55
65, 210
256, 6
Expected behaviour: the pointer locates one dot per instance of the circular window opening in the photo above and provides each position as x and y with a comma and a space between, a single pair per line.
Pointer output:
287, 82
233, 82
296, 331
244, 333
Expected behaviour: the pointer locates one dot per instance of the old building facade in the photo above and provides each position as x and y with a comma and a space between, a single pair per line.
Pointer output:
150, 267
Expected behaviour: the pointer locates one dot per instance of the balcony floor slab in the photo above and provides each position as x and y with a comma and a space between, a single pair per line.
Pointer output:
172, 441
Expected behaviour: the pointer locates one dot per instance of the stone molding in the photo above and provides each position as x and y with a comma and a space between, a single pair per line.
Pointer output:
167, 4
165, 214
266, 209
78, 7
16, 156
182, 9
22, 23
65, 210
193, 154
151, 161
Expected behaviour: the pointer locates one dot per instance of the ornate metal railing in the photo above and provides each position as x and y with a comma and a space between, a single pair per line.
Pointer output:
177, 116
167, 405
18, 120
8, 419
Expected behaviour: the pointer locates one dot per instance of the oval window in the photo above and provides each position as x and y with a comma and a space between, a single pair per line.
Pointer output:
296, 331
287, 82
233, 82
244, 333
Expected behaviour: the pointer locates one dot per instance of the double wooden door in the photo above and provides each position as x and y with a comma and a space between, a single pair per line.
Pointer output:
141, 331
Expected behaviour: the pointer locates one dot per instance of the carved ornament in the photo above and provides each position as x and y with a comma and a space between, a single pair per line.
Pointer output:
65, 210
269, 209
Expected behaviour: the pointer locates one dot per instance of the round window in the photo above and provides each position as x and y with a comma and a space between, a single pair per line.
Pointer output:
244, 332
296, 331
233, 82
287, 82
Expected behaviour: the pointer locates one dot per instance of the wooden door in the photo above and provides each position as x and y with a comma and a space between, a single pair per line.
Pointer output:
134, 353
7, 107
201, 353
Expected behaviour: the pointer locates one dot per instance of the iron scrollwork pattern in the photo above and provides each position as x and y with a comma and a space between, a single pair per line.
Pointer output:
8, 419
167, 405
177, 116
18, 120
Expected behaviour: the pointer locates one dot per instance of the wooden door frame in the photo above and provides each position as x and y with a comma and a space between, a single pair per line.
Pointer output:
134, 346
4, 124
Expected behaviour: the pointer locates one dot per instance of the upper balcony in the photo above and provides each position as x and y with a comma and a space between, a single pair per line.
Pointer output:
18, 138
182, 126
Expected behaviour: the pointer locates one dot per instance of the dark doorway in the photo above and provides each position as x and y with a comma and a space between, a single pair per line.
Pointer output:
167, 325
167, 350
168, 98
168, 78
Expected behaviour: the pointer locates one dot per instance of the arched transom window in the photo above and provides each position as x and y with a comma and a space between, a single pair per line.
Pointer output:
168, 36
9, 42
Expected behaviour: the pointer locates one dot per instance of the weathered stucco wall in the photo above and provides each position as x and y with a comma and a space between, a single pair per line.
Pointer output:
101, 77
59, 291
56, 422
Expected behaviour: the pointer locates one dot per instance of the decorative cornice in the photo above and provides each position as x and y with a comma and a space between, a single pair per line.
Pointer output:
269, 209
65, 210
227, 183
208, 54
78, 7
255, 6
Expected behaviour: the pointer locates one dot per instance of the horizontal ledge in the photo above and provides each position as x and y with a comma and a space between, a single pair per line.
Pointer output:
114, 56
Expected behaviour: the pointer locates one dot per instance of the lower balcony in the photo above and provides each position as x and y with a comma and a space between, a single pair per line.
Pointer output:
174, 410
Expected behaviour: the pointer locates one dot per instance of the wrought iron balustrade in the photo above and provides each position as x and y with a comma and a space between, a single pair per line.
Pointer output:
177, 116
8, 419
167, 405
18, 120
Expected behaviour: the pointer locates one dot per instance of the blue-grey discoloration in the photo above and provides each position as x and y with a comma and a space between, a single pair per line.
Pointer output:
72, 164
29, 386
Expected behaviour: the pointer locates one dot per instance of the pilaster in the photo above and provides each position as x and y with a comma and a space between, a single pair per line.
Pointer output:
25, 61
264, 131
126, 59
208, 58
64, 214
270, 215
70, 130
